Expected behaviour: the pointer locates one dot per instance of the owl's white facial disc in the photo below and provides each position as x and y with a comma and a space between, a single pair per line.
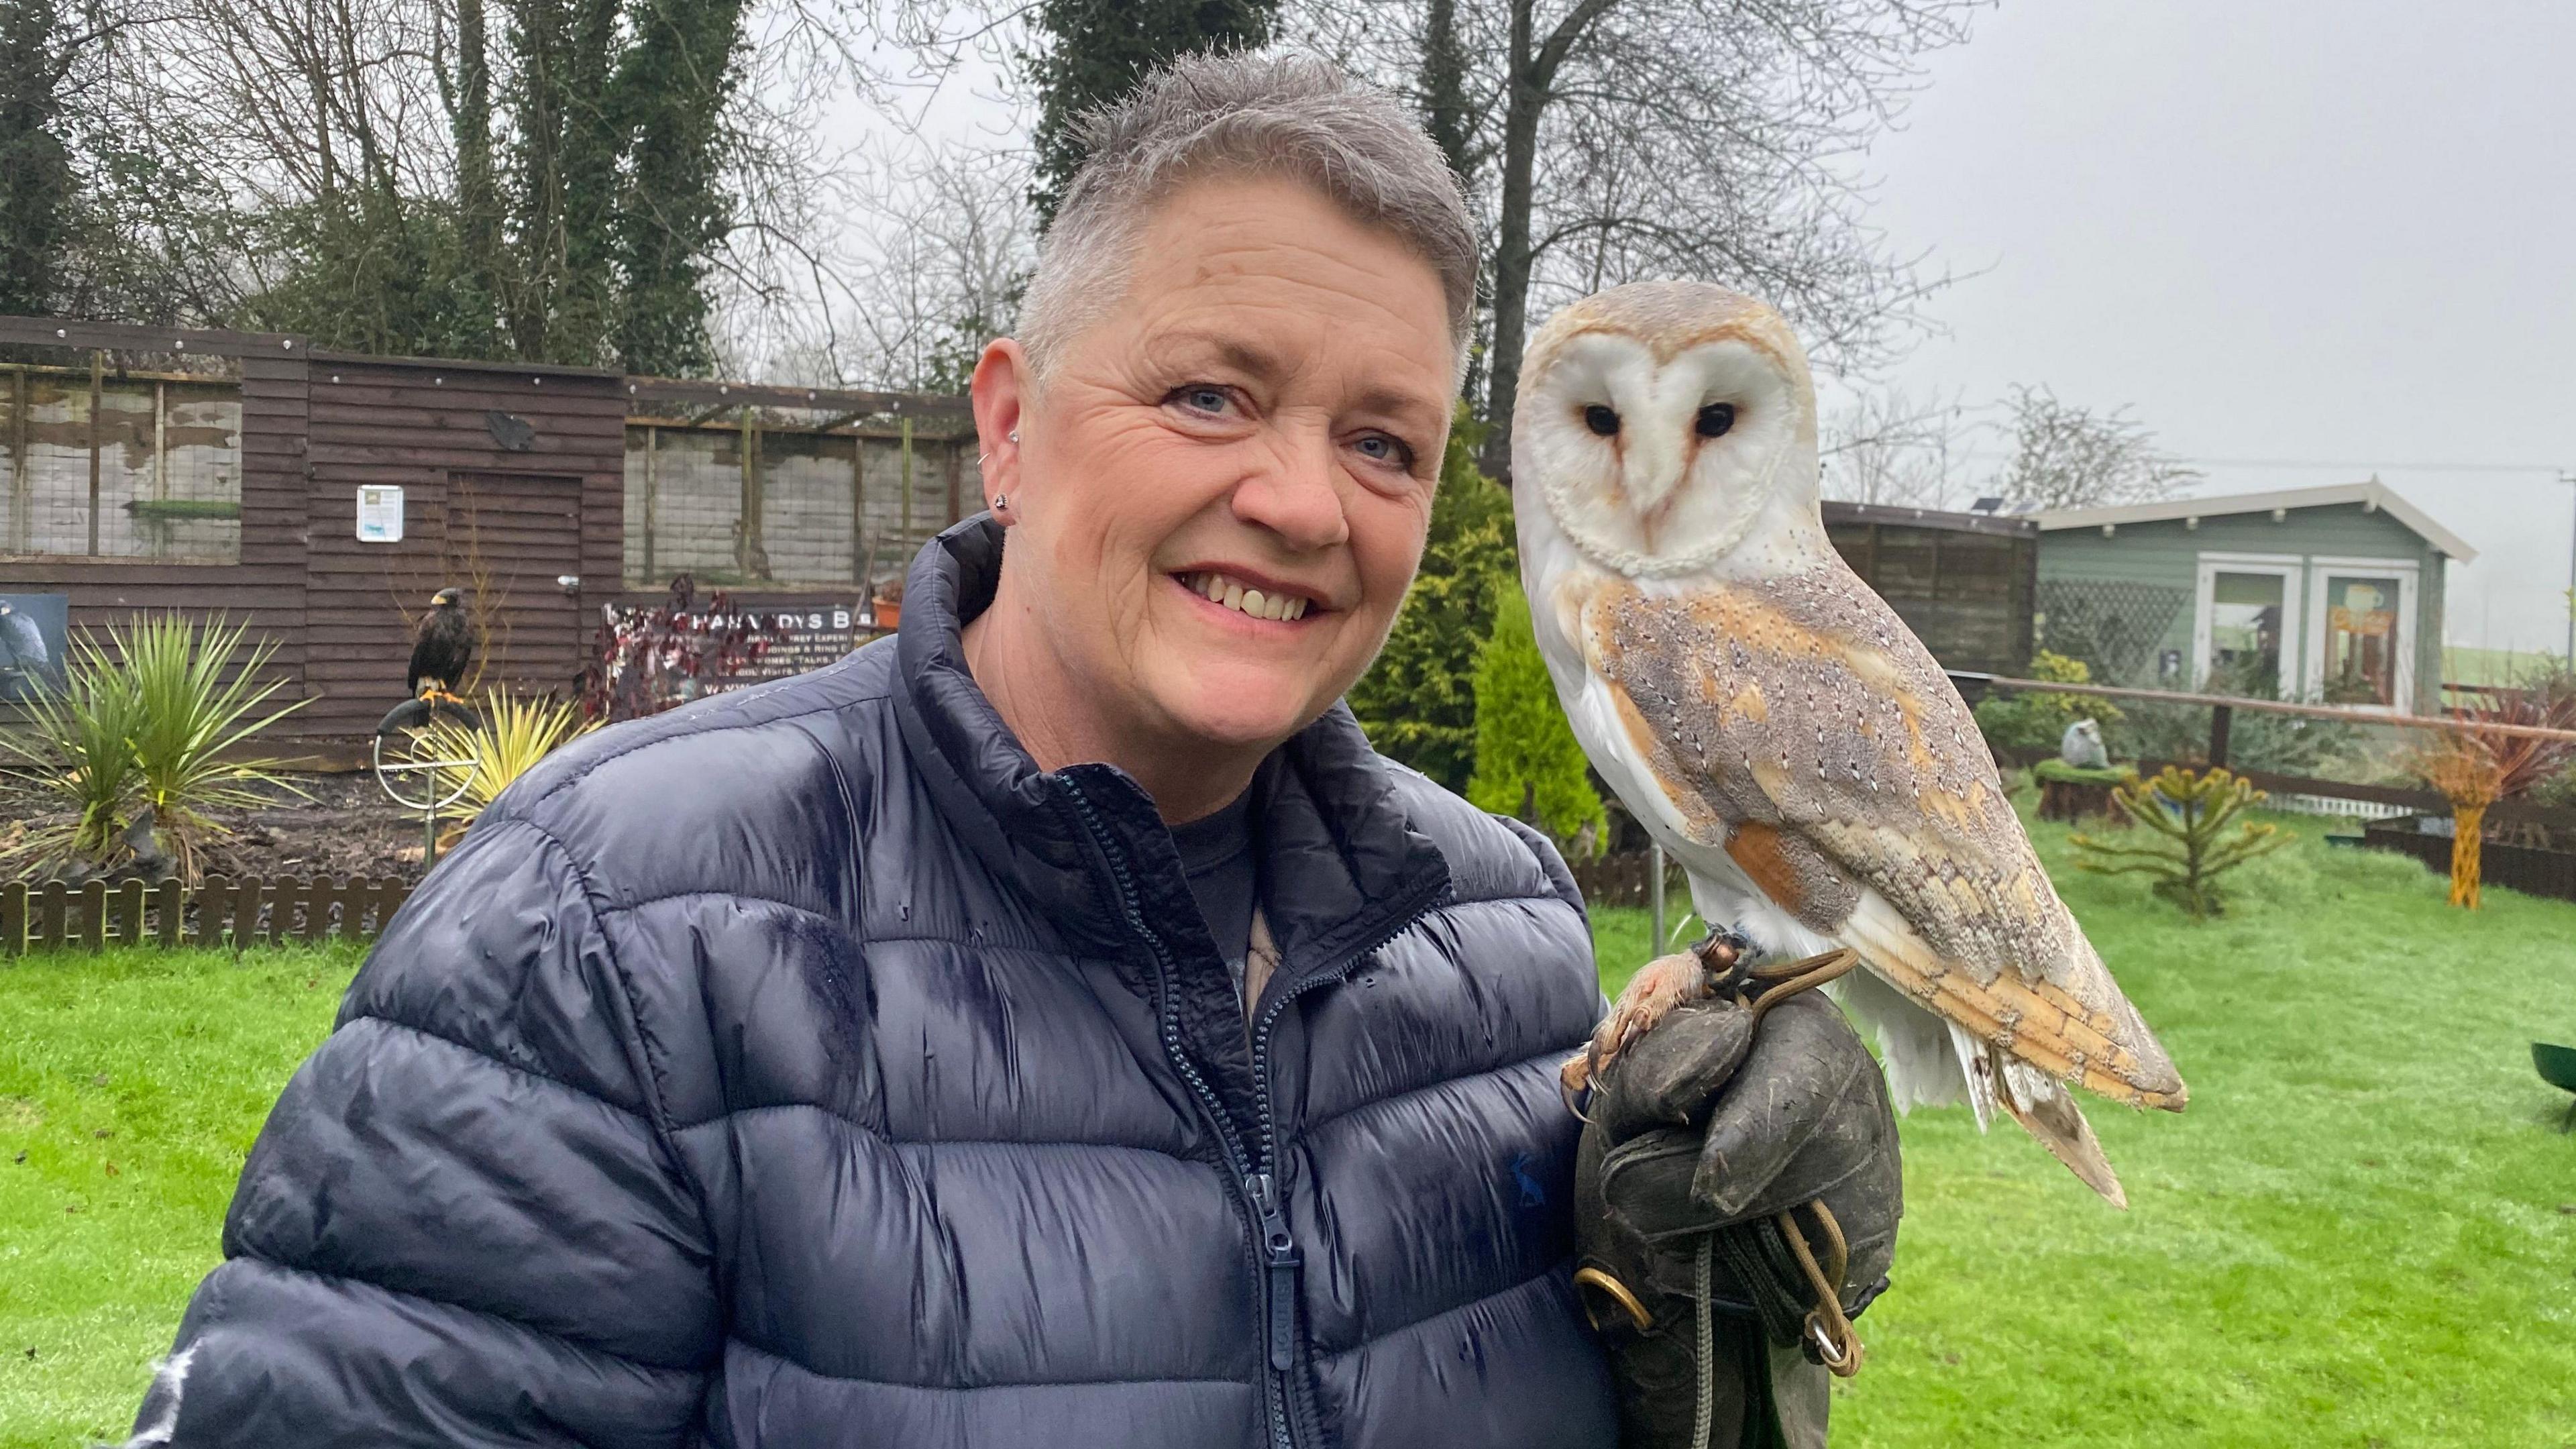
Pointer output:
1657, 468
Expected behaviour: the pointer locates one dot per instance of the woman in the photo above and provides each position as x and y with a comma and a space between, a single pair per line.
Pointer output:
1052, 1026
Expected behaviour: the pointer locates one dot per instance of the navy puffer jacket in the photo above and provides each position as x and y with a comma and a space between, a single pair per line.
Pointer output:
807, 1068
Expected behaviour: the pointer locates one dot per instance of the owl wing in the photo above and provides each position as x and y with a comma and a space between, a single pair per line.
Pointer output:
1798, 725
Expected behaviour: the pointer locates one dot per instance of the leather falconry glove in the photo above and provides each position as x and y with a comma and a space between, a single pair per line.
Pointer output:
1739, 1159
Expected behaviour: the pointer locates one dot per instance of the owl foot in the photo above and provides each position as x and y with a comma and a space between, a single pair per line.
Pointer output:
1660, 987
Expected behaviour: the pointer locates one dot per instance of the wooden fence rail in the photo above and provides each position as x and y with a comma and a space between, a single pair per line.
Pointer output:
221, 912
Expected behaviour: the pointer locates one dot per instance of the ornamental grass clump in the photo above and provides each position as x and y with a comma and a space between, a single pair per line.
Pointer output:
507, 742
2494, 756
2189, 845
144, 736
77, 740
195, 704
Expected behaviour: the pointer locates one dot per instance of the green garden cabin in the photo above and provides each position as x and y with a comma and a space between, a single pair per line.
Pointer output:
2329, 594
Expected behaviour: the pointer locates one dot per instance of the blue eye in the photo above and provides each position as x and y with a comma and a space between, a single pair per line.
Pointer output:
1205, 399
1383, 449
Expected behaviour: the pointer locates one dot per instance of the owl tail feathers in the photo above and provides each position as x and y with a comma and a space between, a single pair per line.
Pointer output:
2044, 1109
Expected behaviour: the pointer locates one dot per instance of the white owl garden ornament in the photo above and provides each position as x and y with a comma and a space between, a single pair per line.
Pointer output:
1777, 728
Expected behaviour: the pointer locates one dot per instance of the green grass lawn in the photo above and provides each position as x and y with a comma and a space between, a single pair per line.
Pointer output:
2363, 1232
131, 1085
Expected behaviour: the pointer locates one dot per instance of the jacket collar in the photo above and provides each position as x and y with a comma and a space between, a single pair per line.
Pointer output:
1342, 865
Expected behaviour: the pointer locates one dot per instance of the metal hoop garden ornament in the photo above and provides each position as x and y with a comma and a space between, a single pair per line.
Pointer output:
426, 805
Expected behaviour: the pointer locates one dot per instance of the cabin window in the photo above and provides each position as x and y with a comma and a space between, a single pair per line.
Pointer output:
2245, 630
125, 465
2362, 637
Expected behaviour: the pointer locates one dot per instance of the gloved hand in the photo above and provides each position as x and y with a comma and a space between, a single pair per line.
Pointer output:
1706, 1131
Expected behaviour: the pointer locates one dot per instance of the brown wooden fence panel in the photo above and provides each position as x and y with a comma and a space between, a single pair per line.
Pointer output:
172, 899
239, 913
212, 897
129, 914
246, 903
319, 898
13, 918
49, 917
93, 915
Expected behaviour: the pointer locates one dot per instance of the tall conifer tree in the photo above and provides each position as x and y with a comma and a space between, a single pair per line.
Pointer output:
1096, 50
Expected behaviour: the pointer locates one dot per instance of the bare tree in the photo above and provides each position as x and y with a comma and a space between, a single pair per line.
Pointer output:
1615, 140
2065, 456
1885, 447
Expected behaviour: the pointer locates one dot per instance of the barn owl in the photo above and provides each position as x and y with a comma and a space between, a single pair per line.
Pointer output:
1775, 726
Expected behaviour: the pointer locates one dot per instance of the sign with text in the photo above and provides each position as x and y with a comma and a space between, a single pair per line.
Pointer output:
664, 655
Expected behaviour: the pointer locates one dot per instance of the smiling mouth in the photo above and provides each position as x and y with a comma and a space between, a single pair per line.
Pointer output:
1234, 594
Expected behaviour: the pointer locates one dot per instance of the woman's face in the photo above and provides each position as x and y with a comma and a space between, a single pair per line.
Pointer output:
1220, 494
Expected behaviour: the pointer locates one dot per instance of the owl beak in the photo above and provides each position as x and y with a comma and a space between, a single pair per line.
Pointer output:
1650, 472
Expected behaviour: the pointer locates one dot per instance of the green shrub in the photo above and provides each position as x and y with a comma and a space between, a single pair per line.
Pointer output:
78, 744
1418, 701
2031, 725
154, 721
1528, 763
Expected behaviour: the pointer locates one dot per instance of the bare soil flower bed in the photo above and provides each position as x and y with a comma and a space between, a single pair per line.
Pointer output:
346, 828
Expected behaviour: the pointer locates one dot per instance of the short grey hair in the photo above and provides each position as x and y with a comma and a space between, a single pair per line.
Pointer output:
1242, 115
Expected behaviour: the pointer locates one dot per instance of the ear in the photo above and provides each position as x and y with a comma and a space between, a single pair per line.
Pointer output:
1002, 389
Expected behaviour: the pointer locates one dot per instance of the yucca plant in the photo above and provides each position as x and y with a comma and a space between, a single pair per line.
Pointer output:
77, 740
512, 736
196, 703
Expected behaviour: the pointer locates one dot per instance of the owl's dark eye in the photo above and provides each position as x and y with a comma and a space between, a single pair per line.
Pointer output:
1601, 420
1715, 419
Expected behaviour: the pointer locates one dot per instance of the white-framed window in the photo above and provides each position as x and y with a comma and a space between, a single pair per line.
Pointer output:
2245, 624
2361, 632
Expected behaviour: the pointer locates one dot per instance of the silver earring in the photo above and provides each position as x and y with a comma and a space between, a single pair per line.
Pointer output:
1001, 501
1015, 435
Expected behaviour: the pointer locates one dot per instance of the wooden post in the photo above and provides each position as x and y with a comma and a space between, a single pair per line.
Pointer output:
13, 918
750, 549
955, 454
2221, 720
129, 914
49, 918
214, 893
174, 901
97, 390
908, 542
246, 900
160, 439
858, 511
93, 915
22, 483
652, 496
318, 895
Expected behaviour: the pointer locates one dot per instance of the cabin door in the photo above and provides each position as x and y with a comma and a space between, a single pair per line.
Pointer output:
514, 541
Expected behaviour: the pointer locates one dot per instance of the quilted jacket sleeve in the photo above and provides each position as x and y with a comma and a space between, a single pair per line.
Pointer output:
461, 1224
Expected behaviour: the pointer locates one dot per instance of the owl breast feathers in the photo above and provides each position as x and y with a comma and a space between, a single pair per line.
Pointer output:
1799, 727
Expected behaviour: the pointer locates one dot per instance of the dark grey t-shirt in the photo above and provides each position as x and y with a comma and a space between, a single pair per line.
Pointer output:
1216, 855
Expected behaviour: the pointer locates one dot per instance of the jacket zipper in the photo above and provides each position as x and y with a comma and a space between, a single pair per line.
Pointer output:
1279, 1243
1167, 1020
1277, 1253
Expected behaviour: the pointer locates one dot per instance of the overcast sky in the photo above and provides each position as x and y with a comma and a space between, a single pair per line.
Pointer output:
2320, 231
2337, 232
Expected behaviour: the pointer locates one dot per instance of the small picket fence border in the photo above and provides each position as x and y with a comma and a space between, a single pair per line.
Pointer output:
221, 912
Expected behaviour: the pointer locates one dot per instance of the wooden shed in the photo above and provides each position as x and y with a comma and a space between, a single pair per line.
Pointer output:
1963, 582
323, 497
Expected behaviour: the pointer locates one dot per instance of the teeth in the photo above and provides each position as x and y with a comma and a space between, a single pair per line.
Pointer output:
1217, 588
